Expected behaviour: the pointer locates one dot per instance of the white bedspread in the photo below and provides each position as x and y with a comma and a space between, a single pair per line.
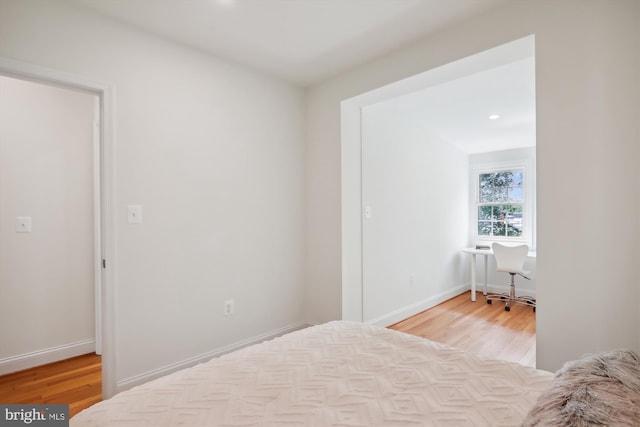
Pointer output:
336, 374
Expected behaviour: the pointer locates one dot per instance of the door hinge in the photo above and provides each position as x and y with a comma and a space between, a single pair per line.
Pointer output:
104, 263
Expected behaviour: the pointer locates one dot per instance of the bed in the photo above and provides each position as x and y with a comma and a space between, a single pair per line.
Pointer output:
335, 374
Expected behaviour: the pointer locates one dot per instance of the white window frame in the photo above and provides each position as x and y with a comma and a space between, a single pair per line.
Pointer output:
528, 210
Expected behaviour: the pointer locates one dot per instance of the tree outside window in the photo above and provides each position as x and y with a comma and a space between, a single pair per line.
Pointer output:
500, 203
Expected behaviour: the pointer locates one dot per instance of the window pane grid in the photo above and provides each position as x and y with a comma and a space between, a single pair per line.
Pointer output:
500, 204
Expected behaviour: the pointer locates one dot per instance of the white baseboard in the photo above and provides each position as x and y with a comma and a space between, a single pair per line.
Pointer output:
415, 308
47, 355
192, 361
499, 289
385, 320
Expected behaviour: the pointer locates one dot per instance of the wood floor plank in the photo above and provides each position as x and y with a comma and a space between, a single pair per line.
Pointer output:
76, 382
484, 329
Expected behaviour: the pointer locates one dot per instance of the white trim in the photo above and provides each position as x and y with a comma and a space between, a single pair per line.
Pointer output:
420, 306
106, 287
97, 221
109, 274
192, 361
415, 308
351, 215
47, 355
504, 289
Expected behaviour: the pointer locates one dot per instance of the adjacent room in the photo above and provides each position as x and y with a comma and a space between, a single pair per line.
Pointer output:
442, 128
422, 153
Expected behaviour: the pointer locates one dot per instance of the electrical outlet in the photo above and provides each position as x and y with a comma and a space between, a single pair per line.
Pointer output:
229, 307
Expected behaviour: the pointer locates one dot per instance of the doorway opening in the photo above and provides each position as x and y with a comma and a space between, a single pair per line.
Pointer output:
94, 164
405, 222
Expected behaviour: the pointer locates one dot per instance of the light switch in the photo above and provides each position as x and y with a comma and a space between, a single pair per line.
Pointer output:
23, 224
367, 212
134, 214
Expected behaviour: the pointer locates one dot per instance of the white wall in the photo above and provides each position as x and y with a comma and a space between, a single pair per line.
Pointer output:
214, 153
416, 186
46, 173
587, 61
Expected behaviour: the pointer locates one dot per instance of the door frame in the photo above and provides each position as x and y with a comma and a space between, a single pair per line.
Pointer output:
104, 204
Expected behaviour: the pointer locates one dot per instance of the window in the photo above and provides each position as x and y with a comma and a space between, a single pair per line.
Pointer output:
501, 203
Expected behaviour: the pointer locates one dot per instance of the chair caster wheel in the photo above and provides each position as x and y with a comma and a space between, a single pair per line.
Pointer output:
507, 309
488, 301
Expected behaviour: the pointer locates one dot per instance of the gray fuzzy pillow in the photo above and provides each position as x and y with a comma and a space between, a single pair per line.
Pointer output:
597, 390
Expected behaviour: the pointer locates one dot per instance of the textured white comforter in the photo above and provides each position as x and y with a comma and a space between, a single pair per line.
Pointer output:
336, 374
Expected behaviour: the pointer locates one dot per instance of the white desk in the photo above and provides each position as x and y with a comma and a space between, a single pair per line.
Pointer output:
473, 258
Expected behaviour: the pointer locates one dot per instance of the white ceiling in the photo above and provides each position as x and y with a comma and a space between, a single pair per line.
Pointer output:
303, 41
458, 111
307, 41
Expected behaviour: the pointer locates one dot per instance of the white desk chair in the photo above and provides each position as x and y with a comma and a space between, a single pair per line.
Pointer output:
510, 259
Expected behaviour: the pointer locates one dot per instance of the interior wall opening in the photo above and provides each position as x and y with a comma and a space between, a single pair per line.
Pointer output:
410, 150
101, 182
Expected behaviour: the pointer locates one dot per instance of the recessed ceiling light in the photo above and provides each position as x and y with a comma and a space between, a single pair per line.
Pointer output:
494, 117
226, 3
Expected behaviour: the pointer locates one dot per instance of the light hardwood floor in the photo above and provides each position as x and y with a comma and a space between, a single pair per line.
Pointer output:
76, 382
484, 329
